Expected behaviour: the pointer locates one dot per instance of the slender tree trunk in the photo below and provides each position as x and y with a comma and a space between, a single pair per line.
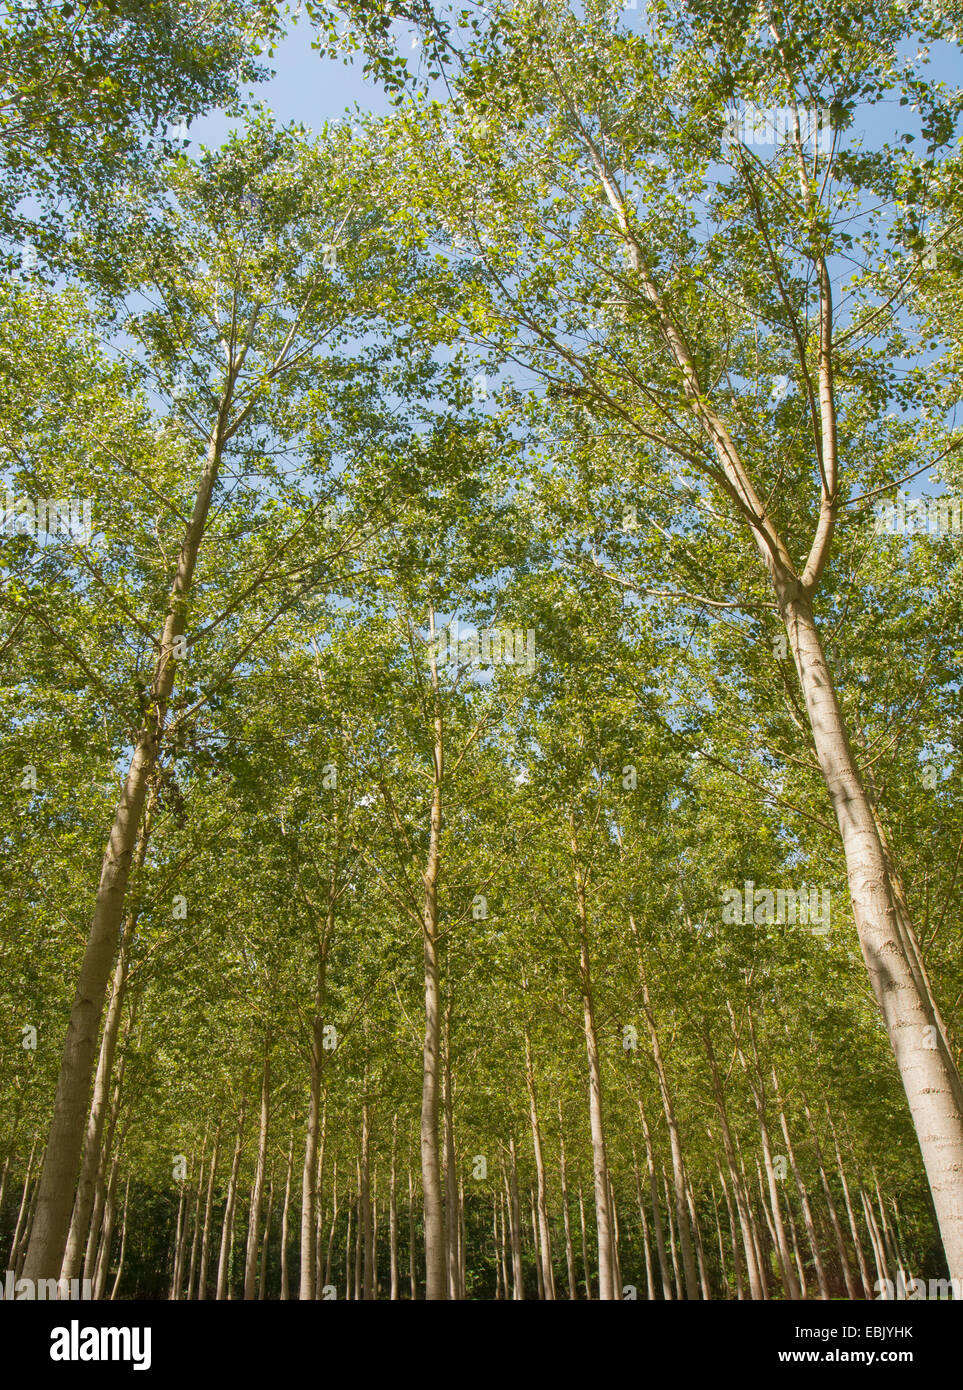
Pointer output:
412, 1267
656, 1212
586, 1270
208, 1206
22, 1212
544, 1233
603, 1214
757, 1287
677, 1278
929, 1075
65, 1139
257, 1189
175, 1289
515, 1226
566, 1218
394, 1293
808, 1221
675, 1144
436, 1274
196, 1224
227, 1229
285, 1224
123, 1245
451, 1170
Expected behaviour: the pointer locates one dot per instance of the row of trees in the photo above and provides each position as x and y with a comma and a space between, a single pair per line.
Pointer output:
484, 635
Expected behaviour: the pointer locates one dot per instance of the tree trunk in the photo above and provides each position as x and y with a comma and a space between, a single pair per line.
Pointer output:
394, 1292
436, 1274
603, 1214
208, 1206
569, 1249
66, 1135
656, 1212
929, 1075
257, 1189
544, 1233
227, 1229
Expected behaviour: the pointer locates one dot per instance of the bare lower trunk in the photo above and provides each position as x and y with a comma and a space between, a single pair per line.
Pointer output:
515, 1226
436, 1273
603, 1213
394, 1290
227, 1228
927, 1069
569, 1248
48, 1237
208, 1206
257, 1189
544, 1234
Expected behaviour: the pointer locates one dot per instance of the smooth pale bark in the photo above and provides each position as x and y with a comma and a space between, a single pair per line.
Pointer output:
603, 1214
257, 1189
585, 1259
20, 1226
366, 1227
499, 1286
123, 1245
679, 1180
106, 1150
804, 1202
850, 1213
646, 1242
677, 1278
929, 1075
266, 1244
285, 1224
515, 1225
329, 1258
347, 1253
719, 1241
831, 1206
656, 1212
617, 1271
208, 1208
762, 1261
733, 1237
412, 1267
325, 925
175, 1289
566, 1218
697, 1233
66, 1135
540, 1282
753, 1075
876, 1239
90, 1164
395, 1283
102, 1263
757, 1288
196, 1223
436, 1273
227, 1227
889, 1244
359, 1247
451, 1168
544, 1244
